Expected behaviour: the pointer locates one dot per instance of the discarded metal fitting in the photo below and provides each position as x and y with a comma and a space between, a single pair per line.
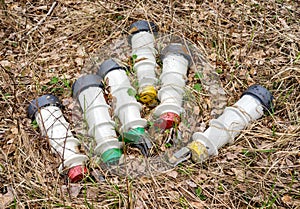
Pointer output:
180, 156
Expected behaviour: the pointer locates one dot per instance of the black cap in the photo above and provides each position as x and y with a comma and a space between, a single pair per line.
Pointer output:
142, 25
262, 94
107, 66
178, 49
43, 101
85, 82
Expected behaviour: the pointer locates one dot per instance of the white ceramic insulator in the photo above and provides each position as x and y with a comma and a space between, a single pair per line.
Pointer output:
173, 79
143, 47
227, 126
96, 113
127, 109
53, 124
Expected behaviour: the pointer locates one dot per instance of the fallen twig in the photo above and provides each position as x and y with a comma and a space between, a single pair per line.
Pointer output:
43, 19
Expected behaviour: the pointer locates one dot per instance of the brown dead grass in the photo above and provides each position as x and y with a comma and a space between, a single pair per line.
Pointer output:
249, 41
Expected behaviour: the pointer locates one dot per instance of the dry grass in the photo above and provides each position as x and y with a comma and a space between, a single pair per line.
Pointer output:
247, 42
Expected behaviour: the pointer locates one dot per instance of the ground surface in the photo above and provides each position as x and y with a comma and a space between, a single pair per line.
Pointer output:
246, 42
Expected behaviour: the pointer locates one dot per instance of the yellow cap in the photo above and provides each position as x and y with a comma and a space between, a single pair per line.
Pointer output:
199, 151
148, 95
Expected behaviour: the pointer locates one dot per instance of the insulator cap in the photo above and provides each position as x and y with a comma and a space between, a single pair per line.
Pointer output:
107, 66
85, 82
77, 173
178, 49
42, 101
141, 25
262, 94
167, 120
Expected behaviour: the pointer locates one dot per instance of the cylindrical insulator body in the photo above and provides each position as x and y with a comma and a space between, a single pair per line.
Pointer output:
53, 124
127, 109
46, 111
176, 61
142, 42
145, 64
173, 82
234, 119
88, 91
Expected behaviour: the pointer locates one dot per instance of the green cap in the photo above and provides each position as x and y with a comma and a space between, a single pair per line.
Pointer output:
111, 156
138, 138
133, 135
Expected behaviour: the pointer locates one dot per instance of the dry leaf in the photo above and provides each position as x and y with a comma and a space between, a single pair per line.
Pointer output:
240, 174
68, 102
73, 190
202, 177
139, 204
196, 110
79, 61
257, 198
81, 51
92, 192
197, 205
7, 198
173, 195
14, 130
231, 156
191, 183
287, 199
202, 127
242, 187
172, 174
253, 71
146, 180
5, 63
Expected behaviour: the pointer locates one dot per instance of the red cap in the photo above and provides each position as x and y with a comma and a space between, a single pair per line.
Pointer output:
167, 120
77, 173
